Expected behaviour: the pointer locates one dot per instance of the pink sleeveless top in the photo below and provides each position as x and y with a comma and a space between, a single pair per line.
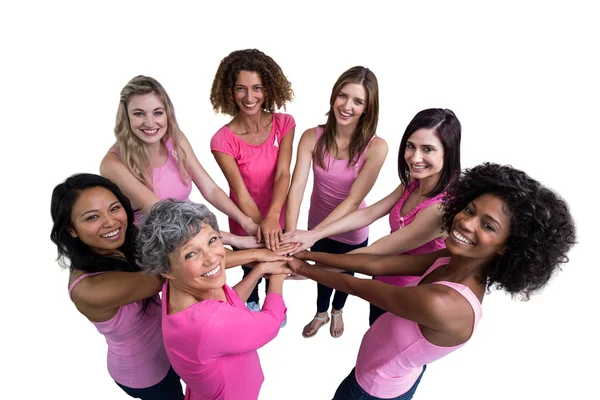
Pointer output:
136, 354
398, 221
331, 186
257, 164
166, 180
393, 351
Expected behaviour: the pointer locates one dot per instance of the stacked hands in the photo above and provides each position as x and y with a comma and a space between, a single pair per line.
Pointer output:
281, 262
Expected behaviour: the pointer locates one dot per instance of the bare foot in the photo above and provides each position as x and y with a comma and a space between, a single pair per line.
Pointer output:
336, 329
313, 326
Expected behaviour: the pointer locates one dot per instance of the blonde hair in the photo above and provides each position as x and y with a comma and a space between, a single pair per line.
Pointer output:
131, 147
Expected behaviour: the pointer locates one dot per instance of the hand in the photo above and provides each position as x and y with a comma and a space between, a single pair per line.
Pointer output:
271, 232
304, 239
285, 249
274, 268
303, 255
266, 255
295, 265
251, 227
247, 242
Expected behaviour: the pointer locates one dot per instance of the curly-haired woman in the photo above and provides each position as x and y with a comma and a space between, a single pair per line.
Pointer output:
254, 149
152, 159
506, 231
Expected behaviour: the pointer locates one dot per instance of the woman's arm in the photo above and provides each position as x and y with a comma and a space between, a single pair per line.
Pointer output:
423, 304
245, 286
299, 178
96, 295
139, 194
352, 221
227, 323
424, 228
270, 227
237, 185
245, 257
374, 265
363, 184
212, 192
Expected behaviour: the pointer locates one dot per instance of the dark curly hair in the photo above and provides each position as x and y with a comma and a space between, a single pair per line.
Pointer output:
542, 229
277, 89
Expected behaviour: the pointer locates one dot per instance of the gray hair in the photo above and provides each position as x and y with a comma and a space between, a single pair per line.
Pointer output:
168, 225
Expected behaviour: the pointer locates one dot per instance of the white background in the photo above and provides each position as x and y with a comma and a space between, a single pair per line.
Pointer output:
522, 77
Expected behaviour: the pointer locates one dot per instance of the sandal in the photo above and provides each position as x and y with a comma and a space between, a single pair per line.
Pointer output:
331, 327
322, 320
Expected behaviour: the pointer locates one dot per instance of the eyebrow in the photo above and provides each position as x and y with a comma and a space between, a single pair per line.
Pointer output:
357, 98
139, 109
94, 210
487, 215
428, 145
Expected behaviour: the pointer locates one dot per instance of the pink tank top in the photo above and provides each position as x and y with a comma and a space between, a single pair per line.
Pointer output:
331, 186
166, 179
136, 354
393, 351
398, 221
257, 164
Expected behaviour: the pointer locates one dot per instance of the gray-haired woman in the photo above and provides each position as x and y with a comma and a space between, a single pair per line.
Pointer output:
202, 316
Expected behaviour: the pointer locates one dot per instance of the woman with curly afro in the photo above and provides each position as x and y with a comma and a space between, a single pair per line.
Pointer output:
505, 231
254, 149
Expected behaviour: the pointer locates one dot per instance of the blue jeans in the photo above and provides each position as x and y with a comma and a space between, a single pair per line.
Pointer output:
349, 389
330, 246
167, 389
254, 294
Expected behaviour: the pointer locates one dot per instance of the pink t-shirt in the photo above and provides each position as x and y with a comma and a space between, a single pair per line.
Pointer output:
212, 345
257, 164
136, 354
398, 221
393, 351
166, 179
331, 186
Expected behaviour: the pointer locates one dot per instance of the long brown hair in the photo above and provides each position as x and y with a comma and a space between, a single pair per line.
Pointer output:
367, 124
130, 146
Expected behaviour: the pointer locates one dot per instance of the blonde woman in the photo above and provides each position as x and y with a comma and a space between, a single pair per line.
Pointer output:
152, 159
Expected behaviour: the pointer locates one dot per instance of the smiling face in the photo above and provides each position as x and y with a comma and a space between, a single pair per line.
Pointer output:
147, 117
424, 154
248, 93
99, 220
350, 104
481, 229
199, 264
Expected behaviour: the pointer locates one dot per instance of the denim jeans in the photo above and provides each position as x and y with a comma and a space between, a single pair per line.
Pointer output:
254, 294
349, 389
374, 313
323, 292
167, 389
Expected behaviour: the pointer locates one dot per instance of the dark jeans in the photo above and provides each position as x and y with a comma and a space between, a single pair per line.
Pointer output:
374, 313
254, 295
167, 389
349, 389
323, 292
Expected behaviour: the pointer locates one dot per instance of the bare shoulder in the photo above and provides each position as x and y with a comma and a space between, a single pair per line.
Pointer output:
110, 161
378, 147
